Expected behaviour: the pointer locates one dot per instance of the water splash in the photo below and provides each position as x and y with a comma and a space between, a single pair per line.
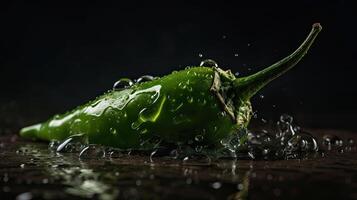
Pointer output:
92, 151
73, 143
284, 141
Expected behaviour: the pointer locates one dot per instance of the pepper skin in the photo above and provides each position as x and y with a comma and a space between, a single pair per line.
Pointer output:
202, 103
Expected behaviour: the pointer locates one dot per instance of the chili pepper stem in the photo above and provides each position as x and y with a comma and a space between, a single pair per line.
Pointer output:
250, 85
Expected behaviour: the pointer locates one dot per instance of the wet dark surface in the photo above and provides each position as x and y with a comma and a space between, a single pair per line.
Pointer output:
29, 170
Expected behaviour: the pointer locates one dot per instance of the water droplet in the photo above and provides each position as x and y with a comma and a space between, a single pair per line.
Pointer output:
236, 54
216, 185
265, 151
236, 74
240, 186
301, 142
297, 128
261, 96
6, 177
92, 151
152, 155
214, 105
215, 128
174, 154
286, 118
53, 145
223, 113
143, 131
332, 140
255, 114
339, 143
150, 114
70, 144
350, 142
200, 55
199, 138
113, 130
264, 120
182, 85
189, 99
185, 158
136, 125
201, 102
251, 154
144, 78
122, 84
285, 130
198, 148
208, 63
113, 153
24, 196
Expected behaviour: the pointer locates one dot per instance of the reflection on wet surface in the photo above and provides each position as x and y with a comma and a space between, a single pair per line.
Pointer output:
30, 170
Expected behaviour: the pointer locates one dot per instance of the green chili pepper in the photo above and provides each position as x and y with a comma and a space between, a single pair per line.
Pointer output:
205, 104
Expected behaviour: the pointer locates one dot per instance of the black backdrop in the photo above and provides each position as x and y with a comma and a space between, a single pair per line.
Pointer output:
58, 55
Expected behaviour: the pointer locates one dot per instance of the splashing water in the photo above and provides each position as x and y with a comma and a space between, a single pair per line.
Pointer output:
285, 141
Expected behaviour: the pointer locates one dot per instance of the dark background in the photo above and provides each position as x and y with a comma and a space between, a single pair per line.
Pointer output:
59, 55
